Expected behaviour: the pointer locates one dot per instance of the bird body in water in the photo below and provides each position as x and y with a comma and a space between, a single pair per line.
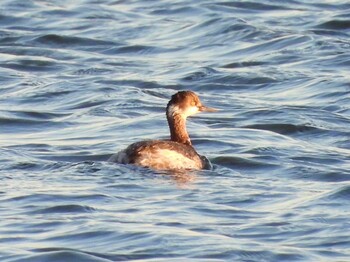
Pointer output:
176, 153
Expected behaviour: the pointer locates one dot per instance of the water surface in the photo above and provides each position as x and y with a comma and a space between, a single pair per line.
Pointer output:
80, 80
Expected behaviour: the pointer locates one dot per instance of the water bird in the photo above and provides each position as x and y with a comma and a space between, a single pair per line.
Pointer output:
177, 153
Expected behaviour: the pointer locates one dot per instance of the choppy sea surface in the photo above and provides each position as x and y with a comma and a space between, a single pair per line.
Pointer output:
81, 80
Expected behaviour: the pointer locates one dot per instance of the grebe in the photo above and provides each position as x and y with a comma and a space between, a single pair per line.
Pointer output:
176, 153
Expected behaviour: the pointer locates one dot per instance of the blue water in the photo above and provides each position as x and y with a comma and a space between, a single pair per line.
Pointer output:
81, 80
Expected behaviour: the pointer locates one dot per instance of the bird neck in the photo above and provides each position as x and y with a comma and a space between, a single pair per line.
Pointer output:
177, 126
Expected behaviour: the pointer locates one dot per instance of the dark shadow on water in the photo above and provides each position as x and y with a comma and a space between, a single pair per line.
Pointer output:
56, 254
241, 163
63, 254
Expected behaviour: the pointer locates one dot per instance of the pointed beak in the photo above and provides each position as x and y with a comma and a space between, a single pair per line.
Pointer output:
207, 109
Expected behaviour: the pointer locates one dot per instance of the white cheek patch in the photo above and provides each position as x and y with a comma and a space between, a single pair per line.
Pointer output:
191, 111
185, 113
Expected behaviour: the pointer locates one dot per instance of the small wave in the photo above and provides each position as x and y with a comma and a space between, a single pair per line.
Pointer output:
275, 45
34, 115
254, 6
283, 128
25, 166
137, 49
20, 122
32, 65
190, 10
62, 255
340, 194
200, 74
87, 103
238, 162
243, 64
61, 40
25, 125
80, 157
50, 198
69, 254
11, 20
64, 209
316, 171
134, 49
336, 25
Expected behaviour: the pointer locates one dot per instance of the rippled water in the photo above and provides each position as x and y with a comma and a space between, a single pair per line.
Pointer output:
80, 80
